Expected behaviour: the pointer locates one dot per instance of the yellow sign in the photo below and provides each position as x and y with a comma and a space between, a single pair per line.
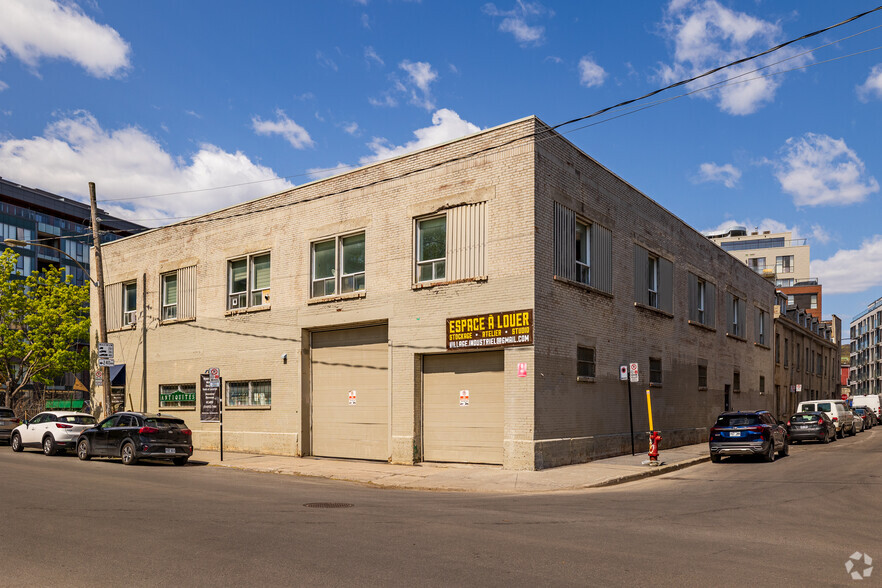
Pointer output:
497, 329
79, 385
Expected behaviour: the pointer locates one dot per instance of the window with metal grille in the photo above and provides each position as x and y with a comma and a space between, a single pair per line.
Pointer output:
177, 396
250, 393
585, 360
702, 376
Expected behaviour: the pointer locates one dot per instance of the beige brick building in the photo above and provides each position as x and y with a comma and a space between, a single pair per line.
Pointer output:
469, 302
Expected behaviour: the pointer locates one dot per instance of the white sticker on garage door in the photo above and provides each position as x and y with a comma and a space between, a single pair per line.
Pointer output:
463, 397
352, 397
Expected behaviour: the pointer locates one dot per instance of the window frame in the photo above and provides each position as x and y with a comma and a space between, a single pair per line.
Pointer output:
337, 277
589, 364
127, 313
250, 280
702, 292
736, 381
702, 376
655, 372
418, 251
164, 307
781, 267
177, 406
583, 266
652, 298
250, 394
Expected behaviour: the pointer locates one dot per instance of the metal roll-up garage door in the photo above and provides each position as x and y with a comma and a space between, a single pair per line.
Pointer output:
350, 393
459, 427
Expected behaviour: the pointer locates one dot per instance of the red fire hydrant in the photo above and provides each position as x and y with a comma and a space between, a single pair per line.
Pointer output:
654, 438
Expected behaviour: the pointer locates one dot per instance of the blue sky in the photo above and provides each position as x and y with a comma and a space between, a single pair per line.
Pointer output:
178, 108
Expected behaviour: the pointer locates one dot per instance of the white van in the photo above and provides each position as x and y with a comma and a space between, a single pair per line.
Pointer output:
870, 401
836, 410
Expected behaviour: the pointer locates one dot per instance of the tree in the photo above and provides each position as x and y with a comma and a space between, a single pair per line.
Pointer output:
44, 324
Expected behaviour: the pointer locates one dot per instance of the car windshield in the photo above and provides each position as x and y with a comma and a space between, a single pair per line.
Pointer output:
77, 419
165, 423
825, 406
804, 418
738, 420
5, 413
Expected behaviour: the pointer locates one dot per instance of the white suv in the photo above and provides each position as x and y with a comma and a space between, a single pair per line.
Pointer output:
836, 410
53, 431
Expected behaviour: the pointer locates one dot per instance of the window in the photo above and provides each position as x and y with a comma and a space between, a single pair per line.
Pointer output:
347, 253
582, 250
431, 249
702, 377
736, 381
762, 384
130, 303
702, 300
655, 371
808, 359
583, 253
784, 264
814, 301
783, 283
585, 361
798, 354
762, 325
169, 296
777, 348
248, 280
757, 264
253, 393
702, 288
652, 280
177, 396
790, 300
736, 308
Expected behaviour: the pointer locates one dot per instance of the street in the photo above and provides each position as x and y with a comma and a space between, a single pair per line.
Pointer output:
792, 522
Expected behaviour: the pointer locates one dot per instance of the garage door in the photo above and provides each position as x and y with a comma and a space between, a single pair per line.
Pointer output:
457, 426
350, 393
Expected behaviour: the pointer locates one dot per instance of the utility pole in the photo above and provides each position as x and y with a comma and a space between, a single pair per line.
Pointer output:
144, 346
102, 318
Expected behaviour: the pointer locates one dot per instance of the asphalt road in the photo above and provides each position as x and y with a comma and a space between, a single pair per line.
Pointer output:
741, 522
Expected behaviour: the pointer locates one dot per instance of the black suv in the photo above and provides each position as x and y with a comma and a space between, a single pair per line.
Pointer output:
137, 435
747, 433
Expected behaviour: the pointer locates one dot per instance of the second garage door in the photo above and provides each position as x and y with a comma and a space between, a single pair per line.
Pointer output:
460, 427
350, 393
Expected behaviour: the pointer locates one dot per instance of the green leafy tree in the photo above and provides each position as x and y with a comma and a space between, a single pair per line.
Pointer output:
44, 322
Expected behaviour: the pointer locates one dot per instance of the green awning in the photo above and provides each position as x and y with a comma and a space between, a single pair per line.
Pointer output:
64, 404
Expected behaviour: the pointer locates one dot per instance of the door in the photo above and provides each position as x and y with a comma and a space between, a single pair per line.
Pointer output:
32, 433
350, 393
463, 407
99, 440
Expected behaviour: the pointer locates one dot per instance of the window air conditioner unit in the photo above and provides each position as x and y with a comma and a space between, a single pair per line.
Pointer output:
237, 300
131, 317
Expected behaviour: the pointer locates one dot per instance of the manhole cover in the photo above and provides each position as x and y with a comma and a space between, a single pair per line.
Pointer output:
328, 505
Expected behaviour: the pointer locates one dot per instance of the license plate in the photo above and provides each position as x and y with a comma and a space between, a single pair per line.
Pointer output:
735, 434
169, 449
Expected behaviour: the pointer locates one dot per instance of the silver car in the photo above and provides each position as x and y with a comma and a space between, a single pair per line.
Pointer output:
8, 421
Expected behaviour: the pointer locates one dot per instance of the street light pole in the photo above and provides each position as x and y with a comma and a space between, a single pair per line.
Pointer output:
99, 268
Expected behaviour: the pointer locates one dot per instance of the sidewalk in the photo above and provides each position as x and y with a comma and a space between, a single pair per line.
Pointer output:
461, 477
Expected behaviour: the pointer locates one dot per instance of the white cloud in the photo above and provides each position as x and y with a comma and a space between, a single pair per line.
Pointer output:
325, 61
193, 113
872, 88
590, 74
446, 126
351, 128
851, 270
36, 29
421, 75
3, 85
284, 126
820, 234
820, 170
128, 162
370, 55
766, 224
514, 21
727, 174
554, 59
317, 173
706, 34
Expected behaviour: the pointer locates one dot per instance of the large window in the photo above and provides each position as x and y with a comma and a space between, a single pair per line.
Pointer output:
170, 296
248, 281
431, 249
343, 253
655, 371
585, 360
583, 253
757, 264
652, 280
177, 396
582, 250
736, 309
762, 325
702, 300
784, 264
251, 393
130, 303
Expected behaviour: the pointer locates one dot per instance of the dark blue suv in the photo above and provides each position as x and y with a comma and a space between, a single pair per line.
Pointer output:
752, 432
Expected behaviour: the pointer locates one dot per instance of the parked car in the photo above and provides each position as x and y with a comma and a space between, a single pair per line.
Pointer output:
747, 433
836, 410
135, 435
871, 401
811, 426
8, 421
865, 415
858, 423
54, 431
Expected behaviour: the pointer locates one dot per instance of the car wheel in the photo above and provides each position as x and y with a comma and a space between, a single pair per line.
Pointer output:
785, 451
716, 458
179, 461
770, 455
16, 443
49, 447
827, 438
128, 454
839, 434
853, 431
83, 450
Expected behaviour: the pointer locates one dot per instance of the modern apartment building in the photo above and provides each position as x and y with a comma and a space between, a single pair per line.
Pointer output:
865, 375
471, 302
806, 357
770, 254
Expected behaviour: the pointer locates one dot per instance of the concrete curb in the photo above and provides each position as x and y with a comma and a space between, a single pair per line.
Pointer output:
650, 472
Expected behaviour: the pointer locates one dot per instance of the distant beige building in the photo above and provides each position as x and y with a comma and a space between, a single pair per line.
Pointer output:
770, 254
469, 302
865, 375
